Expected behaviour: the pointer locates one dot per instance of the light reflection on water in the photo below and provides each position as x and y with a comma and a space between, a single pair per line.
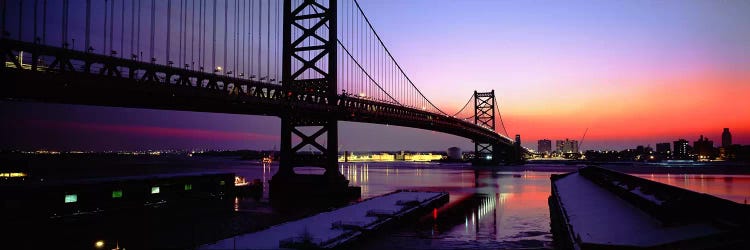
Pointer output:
512, 213
731, 187
514, 206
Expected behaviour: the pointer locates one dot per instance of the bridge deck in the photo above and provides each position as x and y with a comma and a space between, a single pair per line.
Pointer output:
78, 77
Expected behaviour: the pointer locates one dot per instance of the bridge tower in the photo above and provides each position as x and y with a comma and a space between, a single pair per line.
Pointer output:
491, 152
484, 115
309, 77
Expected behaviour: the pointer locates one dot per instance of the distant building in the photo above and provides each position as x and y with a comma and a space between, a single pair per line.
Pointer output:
680, 149
454, 153
640, 149
423, 157
544, 146
518, 141
703, 147
663, 148
566, 146
726, 138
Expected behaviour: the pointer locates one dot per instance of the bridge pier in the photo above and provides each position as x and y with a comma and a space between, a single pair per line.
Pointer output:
331, 185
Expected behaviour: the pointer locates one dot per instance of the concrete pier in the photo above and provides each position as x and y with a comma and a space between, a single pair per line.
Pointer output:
338, 227
596, 208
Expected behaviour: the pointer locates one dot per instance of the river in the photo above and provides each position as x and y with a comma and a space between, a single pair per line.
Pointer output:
511, 211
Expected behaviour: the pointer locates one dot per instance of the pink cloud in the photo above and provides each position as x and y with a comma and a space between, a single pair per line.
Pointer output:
153, 131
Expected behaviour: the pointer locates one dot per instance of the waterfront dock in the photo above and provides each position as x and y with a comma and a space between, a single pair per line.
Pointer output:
78, 198
337, 227
597, 208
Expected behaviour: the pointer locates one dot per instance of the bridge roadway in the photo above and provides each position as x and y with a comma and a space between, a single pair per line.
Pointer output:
77, 77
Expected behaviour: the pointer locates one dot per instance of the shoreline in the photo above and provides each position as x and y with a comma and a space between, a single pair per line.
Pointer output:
632, 169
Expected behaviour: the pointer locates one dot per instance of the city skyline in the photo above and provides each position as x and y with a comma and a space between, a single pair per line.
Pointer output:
672, 70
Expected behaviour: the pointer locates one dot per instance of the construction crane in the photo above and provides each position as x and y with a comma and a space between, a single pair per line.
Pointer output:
580, 145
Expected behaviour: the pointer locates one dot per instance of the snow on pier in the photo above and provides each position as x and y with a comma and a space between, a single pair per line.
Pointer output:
333, 228
596, 208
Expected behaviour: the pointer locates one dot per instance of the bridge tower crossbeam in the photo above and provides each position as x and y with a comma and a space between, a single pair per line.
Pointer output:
309, 77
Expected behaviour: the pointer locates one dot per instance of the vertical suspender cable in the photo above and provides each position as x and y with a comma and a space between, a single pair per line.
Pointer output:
268, 41
183, 36
203, 31
132, 29
20, 20
242, 33
182, 33
418, 92
236, 29
260, 11
36, 7
276, 44
88, 26
139, 54
44, 21
192, 35
122, 29
234, 38
200, 28
251, 37
226, 31
237, 40
153, 31
169, 30
63, 40
188, 33
104, 34
111, 24
352, 44
213, 45
201, 20
66, 4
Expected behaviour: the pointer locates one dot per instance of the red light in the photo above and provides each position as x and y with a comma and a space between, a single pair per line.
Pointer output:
434, 213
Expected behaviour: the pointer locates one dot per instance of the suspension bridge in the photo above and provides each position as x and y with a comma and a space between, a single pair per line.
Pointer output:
310, 62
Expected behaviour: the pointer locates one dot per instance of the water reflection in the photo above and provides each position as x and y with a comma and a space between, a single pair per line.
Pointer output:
509, 209
731, 187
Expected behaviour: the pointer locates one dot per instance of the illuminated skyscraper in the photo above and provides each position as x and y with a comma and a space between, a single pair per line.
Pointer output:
680, 148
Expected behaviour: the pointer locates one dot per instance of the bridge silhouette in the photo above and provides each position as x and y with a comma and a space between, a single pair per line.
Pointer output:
310, 62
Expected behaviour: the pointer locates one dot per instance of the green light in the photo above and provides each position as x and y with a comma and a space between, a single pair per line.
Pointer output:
222, 183
188, 187
117, 194
71, 198
154, 190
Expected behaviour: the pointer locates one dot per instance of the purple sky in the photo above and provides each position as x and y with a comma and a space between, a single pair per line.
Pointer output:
632, 72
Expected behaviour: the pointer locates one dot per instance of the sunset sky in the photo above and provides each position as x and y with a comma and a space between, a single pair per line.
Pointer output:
632, 72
